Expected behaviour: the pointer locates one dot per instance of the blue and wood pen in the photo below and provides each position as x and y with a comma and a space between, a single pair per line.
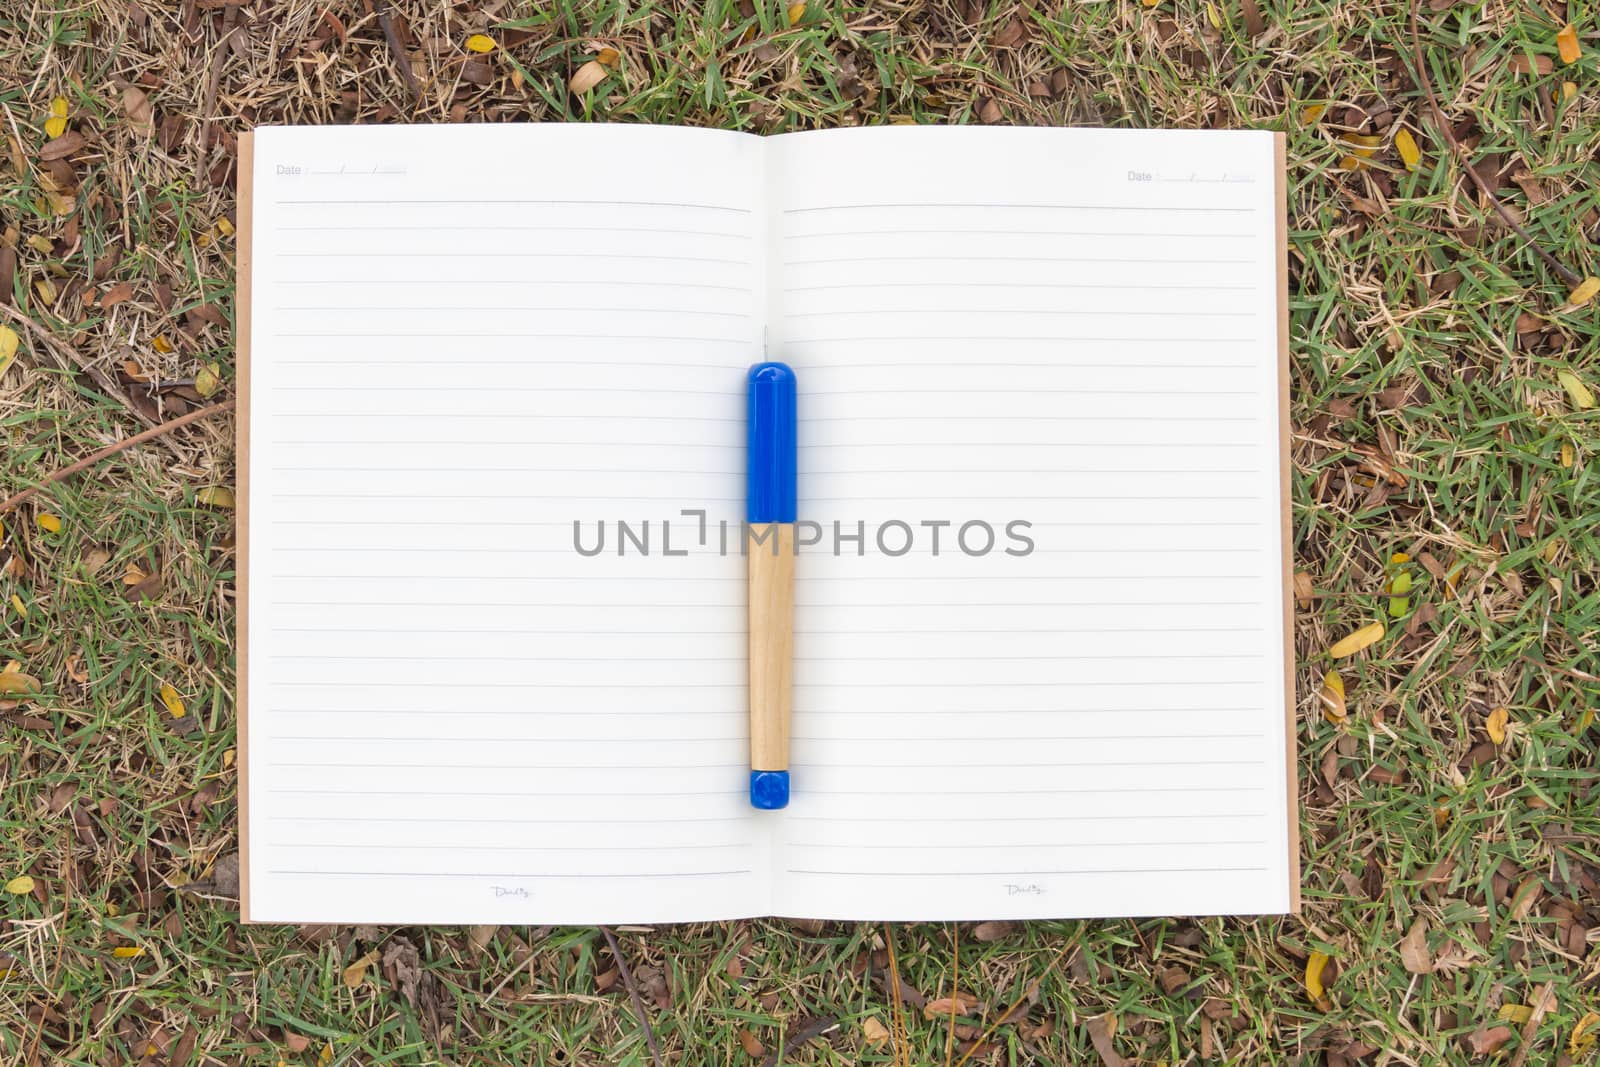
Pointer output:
770, 507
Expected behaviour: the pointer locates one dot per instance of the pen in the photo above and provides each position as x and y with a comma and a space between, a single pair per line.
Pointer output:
770, 514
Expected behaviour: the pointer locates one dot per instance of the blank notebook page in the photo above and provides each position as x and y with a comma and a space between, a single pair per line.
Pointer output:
465, 338
1077, 329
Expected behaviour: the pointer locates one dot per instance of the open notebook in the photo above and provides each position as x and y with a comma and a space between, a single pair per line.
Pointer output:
459, 342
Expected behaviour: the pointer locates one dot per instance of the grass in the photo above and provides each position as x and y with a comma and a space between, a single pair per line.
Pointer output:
1424, 333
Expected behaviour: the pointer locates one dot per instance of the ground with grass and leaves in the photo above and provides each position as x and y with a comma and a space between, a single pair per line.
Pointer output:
1445, 435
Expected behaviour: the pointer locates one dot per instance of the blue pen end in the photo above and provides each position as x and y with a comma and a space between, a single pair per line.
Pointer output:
771, 454
769, 790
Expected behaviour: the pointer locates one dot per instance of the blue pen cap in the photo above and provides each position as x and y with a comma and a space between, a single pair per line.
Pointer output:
770, 489
769, 790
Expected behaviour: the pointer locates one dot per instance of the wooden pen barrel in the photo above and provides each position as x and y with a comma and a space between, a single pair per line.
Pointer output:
771, 618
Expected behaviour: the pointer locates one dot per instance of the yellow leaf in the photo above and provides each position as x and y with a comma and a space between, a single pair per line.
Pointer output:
356, 973
1406, 144
1567, 44
1582, 399
13, 682
1355, 642
1333, 708
128, 952
9, 342
112, 909
1583, 1035
1316, 963
16, 602
1515, 1013
174, 703
228, 756
1585, 292
587, 76
208, 379
608, 57
1310, 114
1362, 144
480, 43
1569, 90
1496, 725
1399, 603
224, 226
1567, 454
1150, 3
41, 244
796, 13
58, 107
46, 290
215, 496
325, 1057
161, 344
20, 886
49, 522
55, 126
1352, 163
1212, 16
875, 1033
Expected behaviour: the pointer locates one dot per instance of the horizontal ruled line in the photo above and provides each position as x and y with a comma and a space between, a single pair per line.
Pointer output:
524, 335
1012, 206
940, 819
476, 202
385, 227
598, 875
459, 847
1021, 874
1010, 286
634, 792
597, 308
1150, 260
738, 712
1030, 845
1142, 313
520, 822
887, 657
1042, 765
371, 765
516, 281
519, 255
985, 232
742, 685
676, 630
1007, 339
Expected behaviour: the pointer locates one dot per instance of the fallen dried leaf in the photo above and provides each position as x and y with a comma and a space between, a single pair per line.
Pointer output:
608, 57
1577, 392
874, 1032
480, 43
1584, 1035
752, 1044
588, 76
1515, 1013
1316, 963
959, 1004
356, 973
1332, 695
128, 952
62, 147
215, 496
993, 930
20, 886
1567, 44
1355, 642
1531, 65
14, 681
1101, 1028
1406, 145
136, 105
208, 379
1486, 1041
1495, 725
1414, 948
48, 522
174, 703
795, 13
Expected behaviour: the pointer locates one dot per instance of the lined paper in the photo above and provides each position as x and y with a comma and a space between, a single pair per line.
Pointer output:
1076, 329
466, 338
